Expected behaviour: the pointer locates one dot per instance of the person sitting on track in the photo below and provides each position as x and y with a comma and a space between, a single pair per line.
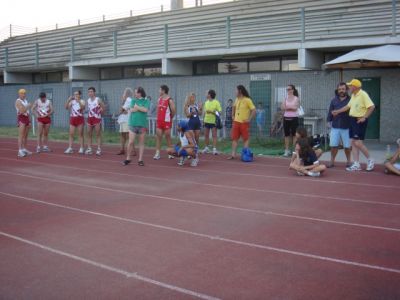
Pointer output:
23, 122
187, 146
96, 108
306, 161
76, 106
43, 108
301, 133
392, 166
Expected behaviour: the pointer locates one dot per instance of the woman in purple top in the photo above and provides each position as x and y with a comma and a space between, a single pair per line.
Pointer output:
290, 117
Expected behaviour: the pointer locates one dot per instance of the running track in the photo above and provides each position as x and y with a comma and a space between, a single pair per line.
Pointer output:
79, 227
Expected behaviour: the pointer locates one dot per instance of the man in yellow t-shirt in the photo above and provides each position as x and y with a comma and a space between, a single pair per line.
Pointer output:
243, 111
211, 108
361, 107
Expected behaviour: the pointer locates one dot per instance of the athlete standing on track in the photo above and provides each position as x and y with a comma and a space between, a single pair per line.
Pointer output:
43, 109
193, 111
76, 106
23, 120
96, 107
165, 113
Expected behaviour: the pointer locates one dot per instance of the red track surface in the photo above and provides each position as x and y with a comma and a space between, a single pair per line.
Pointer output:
74, 227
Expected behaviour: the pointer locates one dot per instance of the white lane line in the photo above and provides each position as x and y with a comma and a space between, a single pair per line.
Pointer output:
109, 268
217, 238
208, 204
212, 185
368, 226
292, 178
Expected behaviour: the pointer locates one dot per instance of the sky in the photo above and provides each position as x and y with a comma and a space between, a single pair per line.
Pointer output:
43, 13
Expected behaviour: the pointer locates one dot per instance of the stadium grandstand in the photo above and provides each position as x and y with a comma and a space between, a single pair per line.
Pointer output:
263, 44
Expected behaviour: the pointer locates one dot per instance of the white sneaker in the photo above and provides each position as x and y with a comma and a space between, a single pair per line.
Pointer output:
69, 151
171, 157
21, 153
27, 152
287, 153
81, 151
206, 150
89, 151
370, 165
313, 174
300, 173
354, 167
157, 155
194, 162
38, 149
215, 152
98, 152
181, 161
46, 149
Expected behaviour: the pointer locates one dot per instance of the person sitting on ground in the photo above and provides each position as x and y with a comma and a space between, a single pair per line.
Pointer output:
187, 147
306, 161
392, 166
301, 133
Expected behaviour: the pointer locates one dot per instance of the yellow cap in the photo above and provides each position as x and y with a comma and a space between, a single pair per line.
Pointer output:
22, 91
355, 82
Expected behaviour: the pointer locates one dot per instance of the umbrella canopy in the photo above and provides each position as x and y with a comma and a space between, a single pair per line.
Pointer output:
382, 56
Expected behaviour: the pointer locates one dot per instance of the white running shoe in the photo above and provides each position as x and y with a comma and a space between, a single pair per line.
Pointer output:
81, 151
287, 153
21, 153
171, 157
313, 174
370, 165
181, 161
98, 152
69, 151
194, 162
46, 149
89, 151
215, 151
38, 149
206, 150
157, 155
27, 152
354, 167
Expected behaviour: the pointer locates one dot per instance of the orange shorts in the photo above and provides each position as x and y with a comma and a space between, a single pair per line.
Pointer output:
240, 130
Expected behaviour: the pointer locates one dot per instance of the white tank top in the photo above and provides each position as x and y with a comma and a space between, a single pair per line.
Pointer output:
184, 140
25, 103
43, 108
76, 110
94, 108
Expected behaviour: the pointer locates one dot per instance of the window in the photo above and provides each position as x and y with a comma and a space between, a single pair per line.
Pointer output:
111, 73
206, 67
289, 64
54, 77
232, 67
152, 71
133, 71
39, 77
265, 65
1, 80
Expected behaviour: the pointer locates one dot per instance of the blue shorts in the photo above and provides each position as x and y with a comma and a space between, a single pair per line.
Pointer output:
357, 130
209, 125
183, 152
194, 123
338, 134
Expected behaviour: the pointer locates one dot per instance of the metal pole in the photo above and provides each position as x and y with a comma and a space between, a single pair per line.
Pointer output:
115, 44
10, 30
131, 13
394, 17
303, 24
36, 30
166, 38
72, 49
197, 3
228, 32
37, 53
56, 26
162, 8
79, 22
6, 57
201, 2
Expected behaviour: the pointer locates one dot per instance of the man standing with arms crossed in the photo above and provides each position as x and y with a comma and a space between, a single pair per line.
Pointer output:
361, 107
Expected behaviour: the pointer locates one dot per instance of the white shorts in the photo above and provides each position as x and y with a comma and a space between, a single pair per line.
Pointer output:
123, 127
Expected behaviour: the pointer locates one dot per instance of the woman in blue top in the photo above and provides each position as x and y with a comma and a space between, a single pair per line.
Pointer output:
193, 111
260, 118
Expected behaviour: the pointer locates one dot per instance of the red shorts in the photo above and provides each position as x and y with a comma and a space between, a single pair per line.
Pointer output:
92, 121
240, 130
23, 120
45, 120
76, 121
164, 125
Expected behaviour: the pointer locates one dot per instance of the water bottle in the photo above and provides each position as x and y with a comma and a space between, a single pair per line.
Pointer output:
388, 152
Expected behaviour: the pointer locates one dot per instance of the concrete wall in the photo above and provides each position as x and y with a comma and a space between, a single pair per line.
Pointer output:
317, 88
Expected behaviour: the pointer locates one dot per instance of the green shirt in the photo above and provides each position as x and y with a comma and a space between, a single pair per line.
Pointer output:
138, 118
214, 106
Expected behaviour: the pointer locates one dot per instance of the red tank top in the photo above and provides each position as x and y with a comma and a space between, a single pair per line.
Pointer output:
163, 110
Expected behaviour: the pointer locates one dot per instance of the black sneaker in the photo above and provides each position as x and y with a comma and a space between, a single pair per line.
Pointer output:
141, 163
126, 162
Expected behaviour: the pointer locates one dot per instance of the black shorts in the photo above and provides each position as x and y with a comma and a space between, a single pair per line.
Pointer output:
194, 124
209, 125
290, 125
358, 130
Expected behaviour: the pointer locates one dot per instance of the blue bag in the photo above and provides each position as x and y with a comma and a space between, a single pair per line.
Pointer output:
247, 155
